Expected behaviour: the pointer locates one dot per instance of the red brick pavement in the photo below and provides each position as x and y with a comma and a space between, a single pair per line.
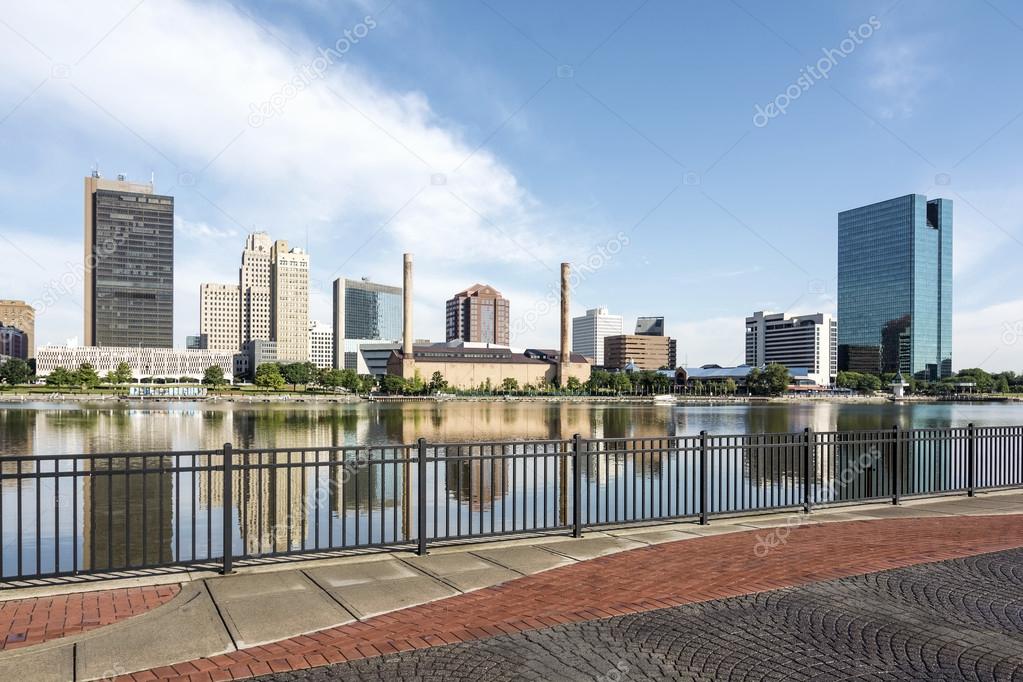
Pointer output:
24, 622
644, 579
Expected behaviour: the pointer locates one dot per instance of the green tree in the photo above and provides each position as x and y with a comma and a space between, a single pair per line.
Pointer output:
15, 371
214, 376
365, 383
268, 375
86, 376
331, 378
438, 383
730, 386
1002, 384
510, 384
574, 385
392, 384
296, 373
771, 381
620, 383
60, 376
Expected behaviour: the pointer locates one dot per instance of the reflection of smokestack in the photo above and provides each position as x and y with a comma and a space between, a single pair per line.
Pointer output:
565, 351
406, 297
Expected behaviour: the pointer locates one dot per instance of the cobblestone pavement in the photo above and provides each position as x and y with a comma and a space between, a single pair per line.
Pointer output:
957, 619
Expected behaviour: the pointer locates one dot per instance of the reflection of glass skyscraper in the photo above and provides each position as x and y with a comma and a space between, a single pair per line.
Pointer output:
895, 287
364, 311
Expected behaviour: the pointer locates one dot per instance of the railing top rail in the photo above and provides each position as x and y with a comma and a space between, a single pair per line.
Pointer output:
108, 455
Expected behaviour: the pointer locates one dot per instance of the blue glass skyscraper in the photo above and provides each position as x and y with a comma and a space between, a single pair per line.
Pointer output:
895, 287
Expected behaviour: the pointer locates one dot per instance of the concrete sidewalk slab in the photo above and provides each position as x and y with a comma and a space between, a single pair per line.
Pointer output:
265, 607
39, 664
591, 548
464, 571
656, 537
188, 627
526, 560
366, 594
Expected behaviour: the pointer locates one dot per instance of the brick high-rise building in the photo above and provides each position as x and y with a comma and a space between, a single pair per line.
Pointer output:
480, 315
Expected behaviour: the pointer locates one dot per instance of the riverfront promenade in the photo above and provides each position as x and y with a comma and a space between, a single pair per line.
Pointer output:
466, 610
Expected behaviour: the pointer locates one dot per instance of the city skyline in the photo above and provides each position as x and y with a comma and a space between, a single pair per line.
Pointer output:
521, 180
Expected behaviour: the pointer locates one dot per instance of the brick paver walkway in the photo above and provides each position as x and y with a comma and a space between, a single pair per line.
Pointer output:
24, 622
654, 577
953, 620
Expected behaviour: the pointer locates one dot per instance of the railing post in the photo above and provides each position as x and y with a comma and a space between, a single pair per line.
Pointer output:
226, 498
808, 448
896, 465
971, 461
421, 495
577, 484
704, 507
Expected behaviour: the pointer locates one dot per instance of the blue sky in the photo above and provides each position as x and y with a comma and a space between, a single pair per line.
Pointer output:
496, 139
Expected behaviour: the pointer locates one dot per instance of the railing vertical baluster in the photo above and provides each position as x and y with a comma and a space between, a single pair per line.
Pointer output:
703, 479
896, 465
971, 460
808, 452
228, 504
577, 481
421, 495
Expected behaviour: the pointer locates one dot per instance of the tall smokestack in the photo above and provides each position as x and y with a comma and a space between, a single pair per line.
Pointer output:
566, 356
406, 297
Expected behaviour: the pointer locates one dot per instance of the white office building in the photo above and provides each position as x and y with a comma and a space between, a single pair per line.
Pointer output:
321, 344
144, 362
808, 342
590, 330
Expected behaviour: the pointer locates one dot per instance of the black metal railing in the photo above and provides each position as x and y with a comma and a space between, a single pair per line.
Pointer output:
107, 514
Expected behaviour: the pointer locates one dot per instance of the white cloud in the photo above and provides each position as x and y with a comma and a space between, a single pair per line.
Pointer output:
990, 338
345, 157
901, 72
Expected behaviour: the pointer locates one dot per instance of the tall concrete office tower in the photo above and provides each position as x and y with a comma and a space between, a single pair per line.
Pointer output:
219, 316
590, 330
129, 264
254, 280
895, 287
290, 297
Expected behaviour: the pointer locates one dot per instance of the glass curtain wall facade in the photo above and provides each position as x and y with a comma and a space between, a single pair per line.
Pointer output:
895, 287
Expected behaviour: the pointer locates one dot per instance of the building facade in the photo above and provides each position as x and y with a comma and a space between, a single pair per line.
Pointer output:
129, 264
20, 315
590, 330
364, 311
254, 283
643, 352
290, 297
13, 343
805, 341
144, 362
895, 287
321, 345
470, 366
479, 314
220, 316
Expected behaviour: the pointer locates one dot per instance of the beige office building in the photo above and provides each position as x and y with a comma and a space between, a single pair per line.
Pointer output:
645, 352
22, 316
290, 309
254, 279
220, 316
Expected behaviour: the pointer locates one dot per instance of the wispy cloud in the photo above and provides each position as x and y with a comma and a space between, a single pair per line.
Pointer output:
901, 70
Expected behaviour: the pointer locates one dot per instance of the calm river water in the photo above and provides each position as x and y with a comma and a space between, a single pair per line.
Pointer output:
59, 428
